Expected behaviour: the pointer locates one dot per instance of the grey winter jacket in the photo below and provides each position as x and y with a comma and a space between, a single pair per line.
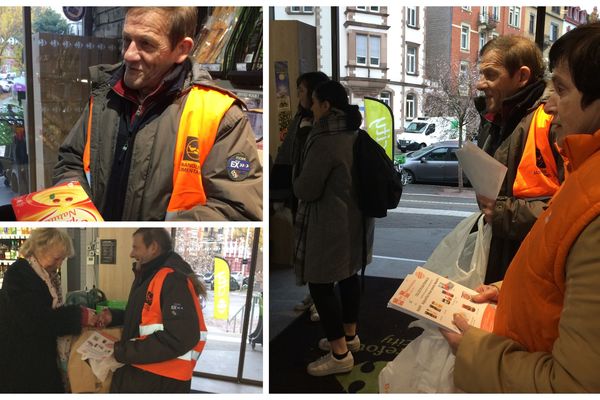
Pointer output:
327, 185
150, 180
513, 217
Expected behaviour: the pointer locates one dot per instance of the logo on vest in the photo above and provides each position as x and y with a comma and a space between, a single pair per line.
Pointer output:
191, 156
176, 309
238, 167
192, 151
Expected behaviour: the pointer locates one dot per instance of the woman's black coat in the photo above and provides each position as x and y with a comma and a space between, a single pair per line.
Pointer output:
29, 328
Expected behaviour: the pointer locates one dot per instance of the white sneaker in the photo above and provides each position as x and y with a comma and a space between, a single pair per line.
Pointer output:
305, 304
353, 345
328, 365
314, 315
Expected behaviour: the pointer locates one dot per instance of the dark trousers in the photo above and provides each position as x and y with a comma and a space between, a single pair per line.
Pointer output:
334, 315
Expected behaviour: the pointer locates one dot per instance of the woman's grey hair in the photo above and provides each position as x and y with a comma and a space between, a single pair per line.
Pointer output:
45, 238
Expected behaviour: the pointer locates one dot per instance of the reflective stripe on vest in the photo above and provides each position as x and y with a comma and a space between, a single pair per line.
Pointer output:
202, 114
204, 108
537, 175
182, 367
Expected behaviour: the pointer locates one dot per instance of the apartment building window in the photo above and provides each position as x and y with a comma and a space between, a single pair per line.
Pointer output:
553, 31
496, 13
465, 31
374, 50
556, 10
466, 8
368, 48
301, 10
531, 24
386, 97
411, 59
514, 16
411, 16
464, 70
482, 39
372, 9
410, 106
484, 12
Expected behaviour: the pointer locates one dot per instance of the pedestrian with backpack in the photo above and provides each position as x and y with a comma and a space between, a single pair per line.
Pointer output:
329, 225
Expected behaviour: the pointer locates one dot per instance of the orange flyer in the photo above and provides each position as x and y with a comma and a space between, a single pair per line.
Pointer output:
64, 202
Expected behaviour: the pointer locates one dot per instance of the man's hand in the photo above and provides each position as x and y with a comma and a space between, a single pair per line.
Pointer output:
454, 338
487, 206
487, 294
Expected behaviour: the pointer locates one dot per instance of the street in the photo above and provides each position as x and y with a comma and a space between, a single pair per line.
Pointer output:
408, 235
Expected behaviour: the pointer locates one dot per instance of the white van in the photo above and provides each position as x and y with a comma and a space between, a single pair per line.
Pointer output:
423, 132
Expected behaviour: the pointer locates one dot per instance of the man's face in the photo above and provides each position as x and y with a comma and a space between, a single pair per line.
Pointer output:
495, 81
147, 51
142, 253
567, 104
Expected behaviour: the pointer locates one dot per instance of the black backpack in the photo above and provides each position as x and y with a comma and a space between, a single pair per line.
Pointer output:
379, 183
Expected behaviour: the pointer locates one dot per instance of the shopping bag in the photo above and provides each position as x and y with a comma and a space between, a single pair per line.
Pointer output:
463, 254
80, 372
426, 365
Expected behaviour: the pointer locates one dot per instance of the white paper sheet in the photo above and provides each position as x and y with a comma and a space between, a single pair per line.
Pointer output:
485, 173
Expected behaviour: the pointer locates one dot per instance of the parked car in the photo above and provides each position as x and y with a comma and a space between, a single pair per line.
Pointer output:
209, 281
436, 163
5, 85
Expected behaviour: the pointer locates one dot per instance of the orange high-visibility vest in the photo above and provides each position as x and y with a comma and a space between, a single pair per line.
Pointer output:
182, 367
537, 175
198, 126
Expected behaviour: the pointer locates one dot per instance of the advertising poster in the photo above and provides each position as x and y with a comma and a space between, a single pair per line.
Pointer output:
221, 292
282, 90
379, 122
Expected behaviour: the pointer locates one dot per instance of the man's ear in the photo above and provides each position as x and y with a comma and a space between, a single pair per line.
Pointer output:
523, 75
154, 248
183, 49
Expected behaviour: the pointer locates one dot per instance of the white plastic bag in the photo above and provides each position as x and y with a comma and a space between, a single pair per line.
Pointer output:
462, 256
426, 365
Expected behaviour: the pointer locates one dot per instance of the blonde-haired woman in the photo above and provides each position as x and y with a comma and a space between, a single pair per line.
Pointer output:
33, 316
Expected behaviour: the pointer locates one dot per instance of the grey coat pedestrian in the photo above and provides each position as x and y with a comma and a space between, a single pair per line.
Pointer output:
327, 190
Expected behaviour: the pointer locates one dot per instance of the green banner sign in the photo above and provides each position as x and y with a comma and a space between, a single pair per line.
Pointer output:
379, 121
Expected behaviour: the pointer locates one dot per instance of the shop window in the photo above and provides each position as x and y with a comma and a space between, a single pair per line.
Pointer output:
226, 312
